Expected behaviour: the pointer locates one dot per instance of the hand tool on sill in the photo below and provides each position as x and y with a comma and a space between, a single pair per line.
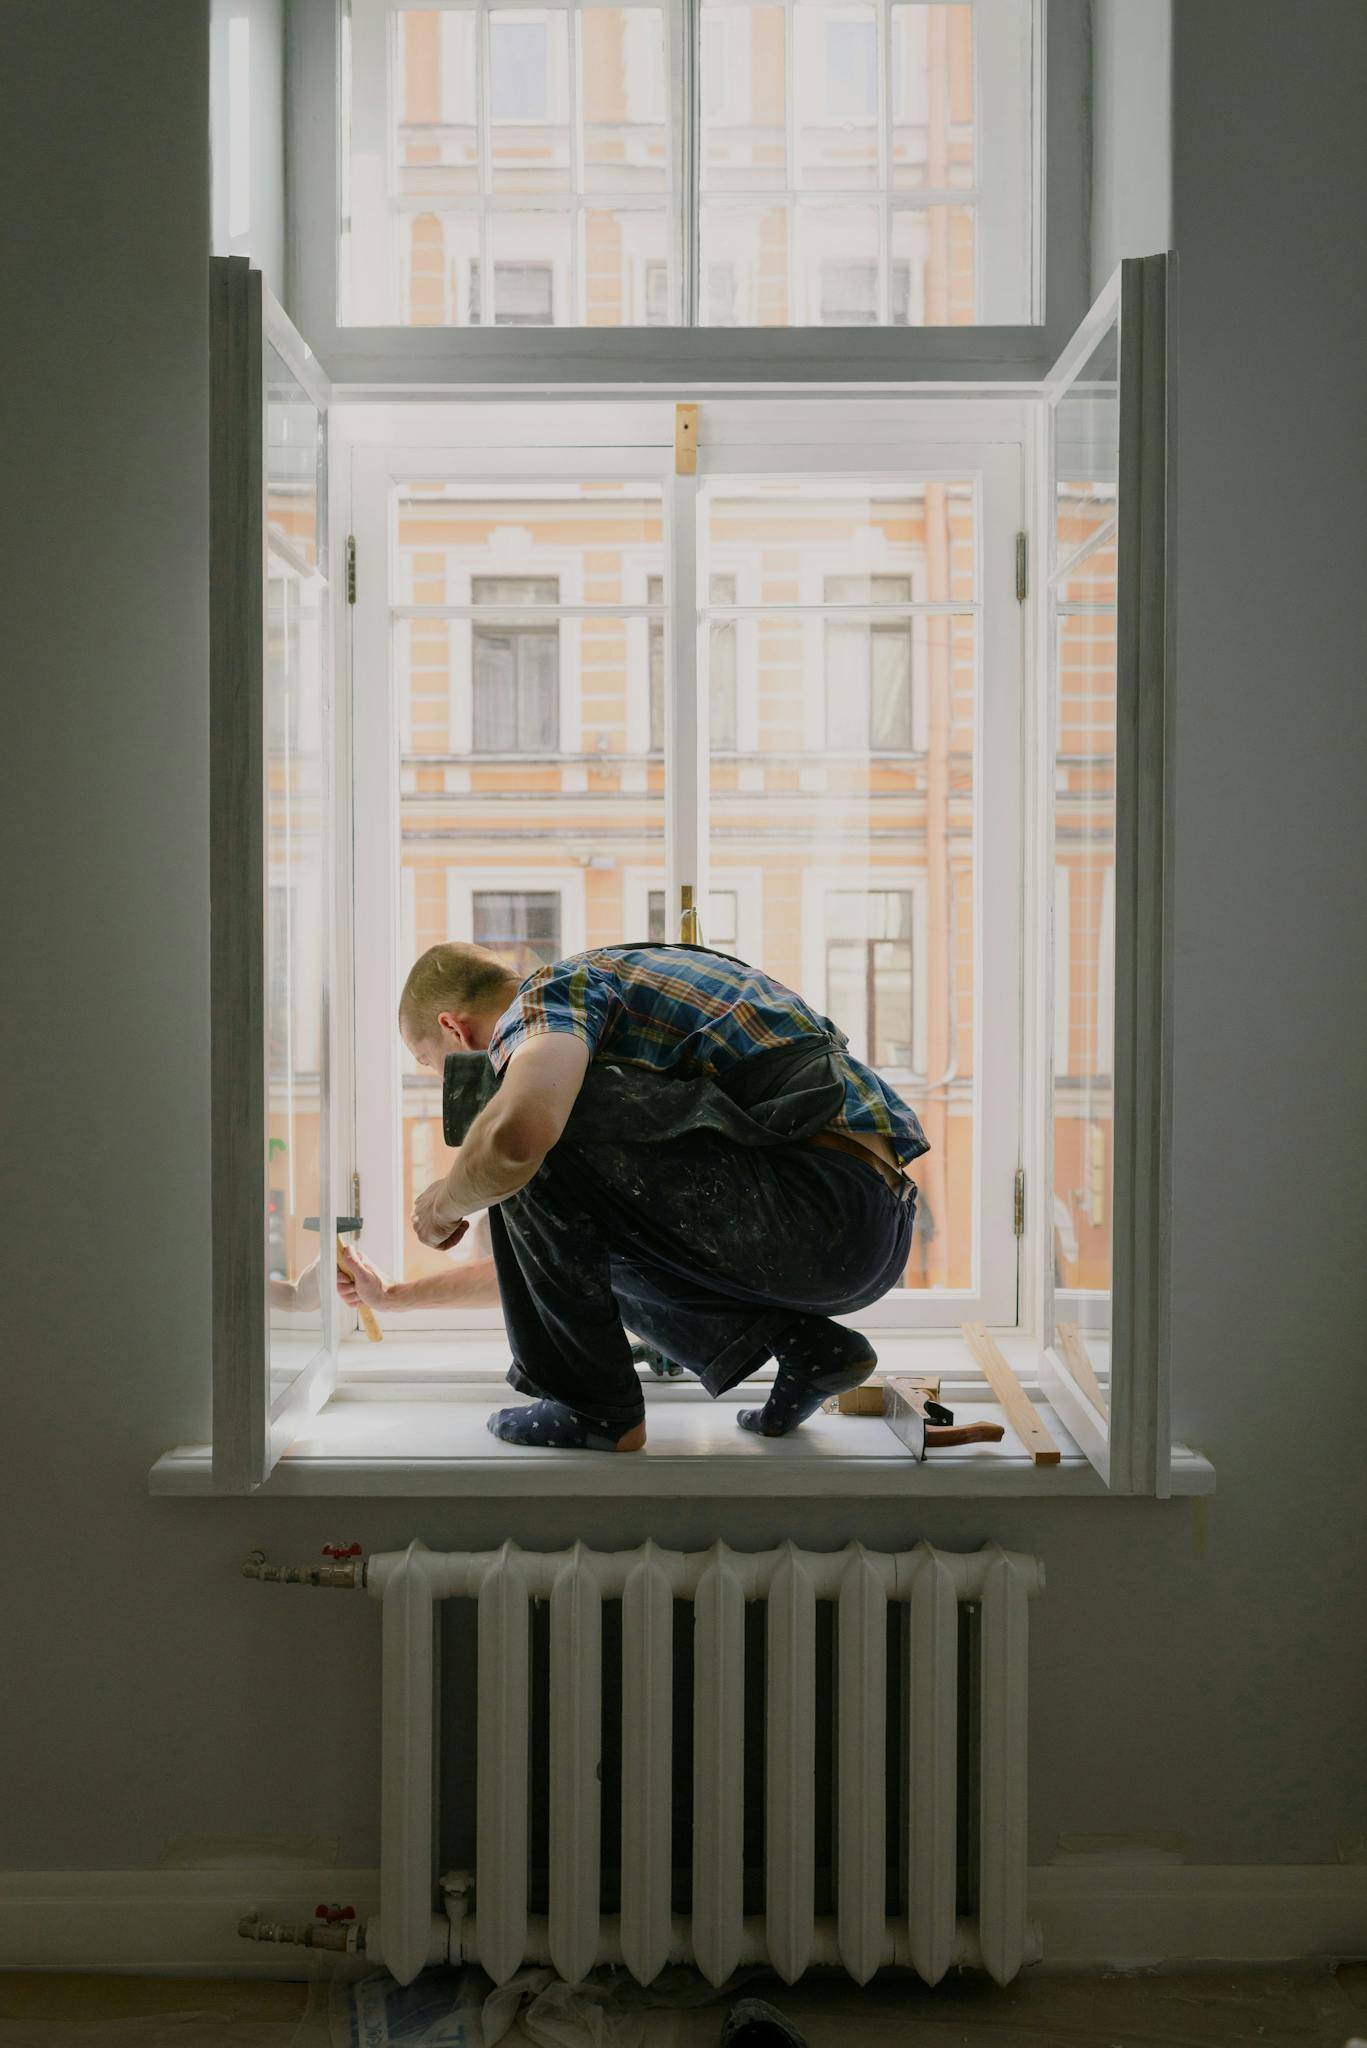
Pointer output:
924, 1424
350, 1225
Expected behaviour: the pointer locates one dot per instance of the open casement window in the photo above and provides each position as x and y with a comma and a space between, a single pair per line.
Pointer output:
792, 681
274, 1321
1108, 734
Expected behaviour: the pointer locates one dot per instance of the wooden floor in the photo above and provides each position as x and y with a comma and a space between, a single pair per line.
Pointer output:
1312, 2008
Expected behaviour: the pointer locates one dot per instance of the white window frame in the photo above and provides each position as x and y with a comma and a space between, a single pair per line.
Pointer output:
324, 189
798, 439
256, 1412
1128, 1437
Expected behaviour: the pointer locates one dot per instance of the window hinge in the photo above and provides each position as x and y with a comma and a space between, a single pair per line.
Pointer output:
1022, 566
356, 1208
1017, 1213
351, 570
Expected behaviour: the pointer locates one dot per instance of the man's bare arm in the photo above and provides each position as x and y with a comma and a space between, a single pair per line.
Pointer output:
511, 1135
466, 1283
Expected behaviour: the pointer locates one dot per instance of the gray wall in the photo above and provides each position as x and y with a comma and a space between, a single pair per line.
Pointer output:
1195, 1668
1131, 132
263, 241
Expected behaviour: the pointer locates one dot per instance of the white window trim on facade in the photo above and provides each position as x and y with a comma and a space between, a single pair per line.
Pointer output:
817, 889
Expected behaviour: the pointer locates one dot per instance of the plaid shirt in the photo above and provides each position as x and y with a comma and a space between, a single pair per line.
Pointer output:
687, 1013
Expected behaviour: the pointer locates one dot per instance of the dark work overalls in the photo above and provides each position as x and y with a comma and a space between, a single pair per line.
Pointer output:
692, 1212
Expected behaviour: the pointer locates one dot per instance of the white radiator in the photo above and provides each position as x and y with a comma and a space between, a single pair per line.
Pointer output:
493, 1926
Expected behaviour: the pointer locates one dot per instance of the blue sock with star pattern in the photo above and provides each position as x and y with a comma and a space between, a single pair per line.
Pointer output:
816, 1358
551, 1426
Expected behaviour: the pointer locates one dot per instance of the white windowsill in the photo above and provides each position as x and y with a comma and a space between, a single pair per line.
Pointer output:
408, 1428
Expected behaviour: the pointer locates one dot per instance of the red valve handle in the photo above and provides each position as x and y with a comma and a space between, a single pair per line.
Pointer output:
341, 1550
333, 1914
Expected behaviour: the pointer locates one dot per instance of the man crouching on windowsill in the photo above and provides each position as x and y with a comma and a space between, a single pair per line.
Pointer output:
672, 1140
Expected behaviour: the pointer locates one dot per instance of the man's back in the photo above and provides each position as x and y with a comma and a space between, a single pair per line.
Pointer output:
687, 1011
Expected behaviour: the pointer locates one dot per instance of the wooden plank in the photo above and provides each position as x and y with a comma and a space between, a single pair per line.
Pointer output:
1016, 1405
1073, 1352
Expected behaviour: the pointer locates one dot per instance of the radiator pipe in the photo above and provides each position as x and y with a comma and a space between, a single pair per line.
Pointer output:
345, 1573
344, 1937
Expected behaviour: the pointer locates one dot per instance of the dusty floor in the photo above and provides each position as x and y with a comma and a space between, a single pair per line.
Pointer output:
1311, 2008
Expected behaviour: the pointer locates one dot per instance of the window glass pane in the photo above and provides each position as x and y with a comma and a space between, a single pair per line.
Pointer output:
924, 108
626, 267
852, 796
526, 795
295, 500
934, 264
655, 591
744, 111
626, 145
542, 536
437, 136
928, 105
439, 268
1086, 463
722, 920
849, 542
531, 256
744, 266
522, 927
836, 54
931, 95
528, 118
1085, 452
296, 797
495, 158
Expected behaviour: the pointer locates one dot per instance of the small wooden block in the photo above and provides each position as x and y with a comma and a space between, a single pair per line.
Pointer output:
1012, 1398
871, 1398
685, 440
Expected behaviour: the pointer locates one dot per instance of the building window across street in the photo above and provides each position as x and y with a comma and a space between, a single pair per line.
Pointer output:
524, 928
869, 667
516, 670
869, 970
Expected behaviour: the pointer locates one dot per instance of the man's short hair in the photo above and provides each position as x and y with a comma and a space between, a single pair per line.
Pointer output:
455, 977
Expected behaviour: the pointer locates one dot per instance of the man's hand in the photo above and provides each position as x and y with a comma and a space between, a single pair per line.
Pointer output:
357, 1281
435, 1222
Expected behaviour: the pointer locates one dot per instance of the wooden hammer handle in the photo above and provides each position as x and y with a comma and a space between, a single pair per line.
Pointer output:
363, 1308
938, 1433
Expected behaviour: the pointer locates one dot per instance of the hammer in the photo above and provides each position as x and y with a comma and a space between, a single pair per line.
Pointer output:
923, 1424
350, 1224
